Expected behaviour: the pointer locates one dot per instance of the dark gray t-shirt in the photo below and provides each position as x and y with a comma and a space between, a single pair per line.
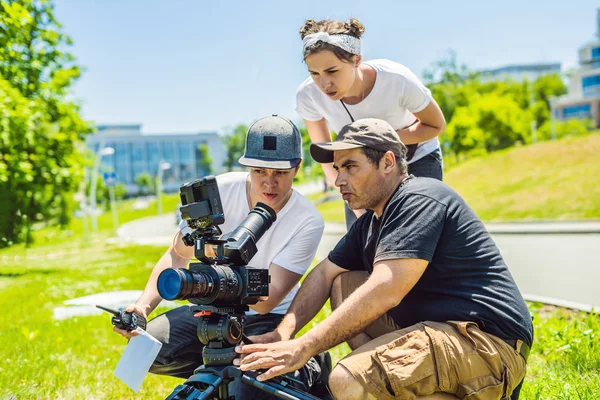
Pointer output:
466, 279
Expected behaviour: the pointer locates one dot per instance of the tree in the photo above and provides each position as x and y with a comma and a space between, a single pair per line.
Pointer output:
204, 161
144, 183
235, 143
40, 165
488, 116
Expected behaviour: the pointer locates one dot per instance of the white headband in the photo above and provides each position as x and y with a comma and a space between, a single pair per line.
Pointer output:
345, 42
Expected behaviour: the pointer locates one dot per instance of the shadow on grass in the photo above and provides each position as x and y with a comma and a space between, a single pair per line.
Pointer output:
17, 274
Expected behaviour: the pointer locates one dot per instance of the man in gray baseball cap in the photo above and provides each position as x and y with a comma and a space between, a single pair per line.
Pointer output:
287, 249
272, 142
418, 288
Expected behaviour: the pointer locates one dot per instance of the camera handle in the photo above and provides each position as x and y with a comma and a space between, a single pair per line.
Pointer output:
199, 253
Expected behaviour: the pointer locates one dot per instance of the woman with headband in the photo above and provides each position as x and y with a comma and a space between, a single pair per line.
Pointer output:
342, 88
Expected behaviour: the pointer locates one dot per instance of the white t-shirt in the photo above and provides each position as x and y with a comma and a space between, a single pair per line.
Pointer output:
291, 242
396, 95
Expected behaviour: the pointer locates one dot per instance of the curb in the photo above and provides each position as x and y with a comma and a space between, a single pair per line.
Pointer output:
544, 227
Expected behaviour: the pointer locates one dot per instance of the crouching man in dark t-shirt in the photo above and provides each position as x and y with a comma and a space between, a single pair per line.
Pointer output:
420, 290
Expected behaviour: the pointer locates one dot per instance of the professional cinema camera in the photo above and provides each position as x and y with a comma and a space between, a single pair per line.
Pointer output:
221, 286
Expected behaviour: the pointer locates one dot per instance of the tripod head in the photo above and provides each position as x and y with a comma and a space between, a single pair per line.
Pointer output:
220, 329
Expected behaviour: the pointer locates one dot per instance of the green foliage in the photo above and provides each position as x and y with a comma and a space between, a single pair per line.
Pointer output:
205, 161
144, 182
490, 122
235, 143
483, 117
571, 127
40, 166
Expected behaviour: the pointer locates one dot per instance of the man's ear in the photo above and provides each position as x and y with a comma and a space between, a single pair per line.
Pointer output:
389, 162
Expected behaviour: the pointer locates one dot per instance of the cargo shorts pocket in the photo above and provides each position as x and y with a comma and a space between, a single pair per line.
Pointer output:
485, 387
409, 364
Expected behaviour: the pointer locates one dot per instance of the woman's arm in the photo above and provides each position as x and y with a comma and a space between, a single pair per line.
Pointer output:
319, 132
430, 125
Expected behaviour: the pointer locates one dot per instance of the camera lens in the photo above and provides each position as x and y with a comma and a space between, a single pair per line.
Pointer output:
256, 223
181, 283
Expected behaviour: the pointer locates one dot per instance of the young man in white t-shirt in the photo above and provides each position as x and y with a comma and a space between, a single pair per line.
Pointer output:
273, 154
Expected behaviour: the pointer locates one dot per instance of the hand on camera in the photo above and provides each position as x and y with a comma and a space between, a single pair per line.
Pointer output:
129, 334
277, 358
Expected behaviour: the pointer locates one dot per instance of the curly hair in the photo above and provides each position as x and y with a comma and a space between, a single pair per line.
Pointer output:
353, 28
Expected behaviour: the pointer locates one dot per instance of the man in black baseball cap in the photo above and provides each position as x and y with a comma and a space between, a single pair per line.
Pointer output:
419, 289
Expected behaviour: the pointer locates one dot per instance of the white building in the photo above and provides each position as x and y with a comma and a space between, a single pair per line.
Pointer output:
520, 72
136, 153
583, 99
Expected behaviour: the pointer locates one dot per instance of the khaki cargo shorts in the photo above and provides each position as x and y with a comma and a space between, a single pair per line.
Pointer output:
454, 357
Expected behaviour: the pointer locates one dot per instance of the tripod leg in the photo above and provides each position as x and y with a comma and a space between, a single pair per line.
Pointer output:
277, 390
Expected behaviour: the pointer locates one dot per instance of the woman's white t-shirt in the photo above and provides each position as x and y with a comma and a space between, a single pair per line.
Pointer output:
291, 242
396, 95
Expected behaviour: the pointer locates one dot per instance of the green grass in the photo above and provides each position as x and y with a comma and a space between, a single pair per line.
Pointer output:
46, 359
41, 358
565, 359
549, 180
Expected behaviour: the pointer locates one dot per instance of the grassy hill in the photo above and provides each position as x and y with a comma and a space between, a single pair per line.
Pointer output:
549, 180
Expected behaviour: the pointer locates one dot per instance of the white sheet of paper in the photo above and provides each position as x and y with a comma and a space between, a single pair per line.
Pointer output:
137, 359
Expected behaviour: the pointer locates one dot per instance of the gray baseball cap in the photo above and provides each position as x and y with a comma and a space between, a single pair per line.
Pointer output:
272, 142
368, 132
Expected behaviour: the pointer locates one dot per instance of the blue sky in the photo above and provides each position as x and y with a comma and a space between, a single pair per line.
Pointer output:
188, 66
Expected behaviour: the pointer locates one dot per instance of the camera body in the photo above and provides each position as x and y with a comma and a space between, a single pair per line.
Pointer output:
235, 285
223, 280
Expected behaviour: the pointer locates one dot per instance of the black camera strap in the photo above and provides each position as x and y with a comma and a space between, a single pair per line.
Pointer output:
410, 148
346, 108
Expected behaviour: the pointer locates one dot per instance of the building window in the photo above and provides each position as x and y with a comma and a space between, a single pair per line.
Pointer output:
578, 111
595, 53
154, 157
123, 162
591, 85
138, 156
186, 161
170, 175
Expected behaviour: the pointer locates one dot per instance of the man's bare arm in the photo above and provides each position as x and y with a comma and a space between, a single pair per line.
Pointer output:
309, 300
177, 256
389, 283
